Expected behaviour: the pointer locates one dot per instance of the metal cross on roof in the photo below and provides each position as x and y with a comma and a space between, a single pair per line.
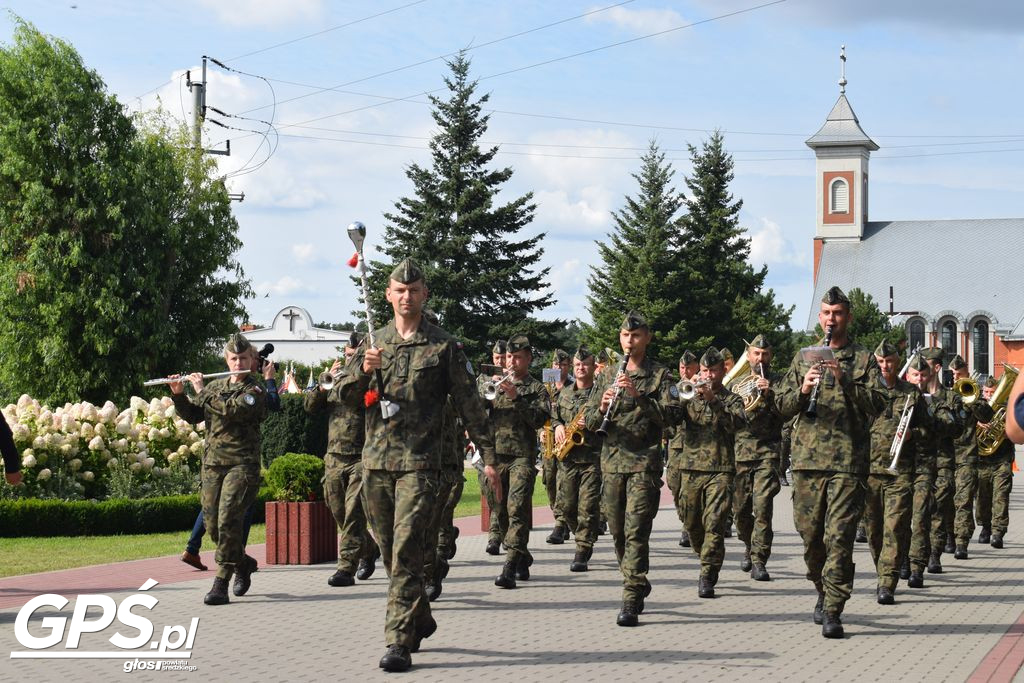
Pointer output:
842, 69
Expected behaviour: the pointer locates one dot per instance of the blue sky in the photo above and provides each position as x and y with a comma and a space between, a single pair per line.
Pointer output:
937, 89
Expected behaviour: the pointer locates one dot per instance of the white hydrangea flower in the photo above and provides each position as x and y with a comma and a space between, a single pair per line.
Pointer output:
135, 466
97, 443
108, 412
46, 417
197, 448
101, 430
112, 463
44, 474
173, 457
148, 463
28, 461
66, 450
88, 475
170, 412
39, 443
87, 431
75, 465
75, 411
20, 431
155, 407
123, 427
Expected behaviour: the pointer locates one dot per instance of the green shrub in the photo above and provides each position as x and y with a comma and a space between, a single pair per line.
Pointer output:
296, 477
292, 430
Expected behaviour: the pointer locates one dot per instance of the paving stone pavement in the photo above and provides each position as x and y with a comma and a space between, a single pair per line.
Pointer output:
561, 626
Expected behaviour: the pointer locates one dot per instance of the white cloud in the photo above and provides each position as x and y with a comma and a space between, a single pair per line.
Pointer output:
284, 286
264, 12
770, 247
587, 212
303, 253
639, 21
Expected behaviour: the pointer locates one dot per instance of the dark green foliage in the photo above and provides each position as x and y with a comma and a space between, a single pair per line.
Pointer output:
483, 278
296, 478
292, 430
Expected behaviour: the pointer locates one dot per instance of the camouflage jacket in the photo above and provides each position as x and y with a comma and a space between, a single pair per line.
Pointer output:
516, 421
966, 443
884, 426
633, 443
568, 405
233, 412
673, 436
837, 439
709, 431
419, 374
346, 428
453, 440
760, 436
945, 408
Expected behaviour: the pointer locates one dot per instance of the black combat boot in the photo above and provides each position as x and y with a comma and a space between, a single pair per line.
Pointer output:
833, 626
580, 560
997, 541
934, 563
885, 596
433, 589
905, 569
443, 567
985, 535
745, 564
819, 609
243, 575
397, 658
557, 535
684, 540
960, 553
950, 545
705, 587
340, 579
602, 527
455, 537
759, 573
218, 595
862, 535
507, 577
916, 579
628, 614
424, 629
523, 568
365, 568
493, 547
643, 598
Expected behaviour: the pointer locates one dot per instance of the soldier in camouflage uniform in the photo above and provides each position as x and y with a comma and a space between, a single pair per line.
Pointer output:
631, 461
551, 473
233, 408
966, 477
435, 558
757, 466
707, 466
689, 368
941, 533
521, 407
830, 456
417, 366
579, 494
497, 511
995, 481
343, 476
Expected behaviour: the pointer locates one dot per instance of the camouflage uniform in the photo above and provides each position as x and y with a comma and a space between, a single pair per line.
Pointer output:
434, 560
497, 519
943, 516
579, 494
995, 481
829, 464
966, 477
551, 468
402, 455
230, 475
343, 475
631, 465
676, 434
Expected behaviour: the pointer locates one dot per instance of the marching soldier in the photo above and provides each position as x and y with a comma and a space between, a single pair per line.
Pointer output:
416, 366
521, 407
233, 408
551, 474
966, 445
631, 456
995, 480
435, 558
579, 494
498, 512
710, 421
343, 475
941, 532
830, 456
757, 467
689, 368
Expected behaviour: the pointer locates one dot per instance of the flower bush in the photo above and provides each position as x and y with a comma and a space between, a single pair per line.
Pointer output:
84, 451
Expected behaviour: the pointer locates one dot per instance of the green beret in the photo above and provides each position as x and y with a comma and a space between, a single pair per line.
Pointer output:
237, 343
559, 356
407, 272
991, 382
518, 343
687, 357
634, 321
602, 355
886, 348
499, 346
834, 296
583, 353
919, 363
711, 357
931, 354
957, 363
759, 342
355, 339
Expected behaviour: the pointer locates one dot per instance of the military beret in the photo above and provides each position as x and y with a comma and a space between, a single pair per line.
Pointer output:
991, 382
931, 353
634, 321
834, 296
726, 354
355, 339
583, 353
919, 363
687, 357
237, 343
957, 363
499, 346
602, 355
886, 348
711, 357
518, 343
759, 342
407, 272
559, 356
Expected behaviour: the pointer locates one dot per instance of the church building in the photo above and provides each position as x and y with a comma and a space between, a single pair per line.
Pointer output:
295, 338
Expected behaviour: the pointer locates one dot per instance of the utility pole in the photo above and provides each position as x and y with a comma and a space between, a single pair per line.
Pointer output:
198, 90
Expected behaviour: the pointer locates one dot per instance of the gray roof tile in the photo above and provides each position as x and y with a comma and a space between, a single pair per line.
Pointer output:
842, 128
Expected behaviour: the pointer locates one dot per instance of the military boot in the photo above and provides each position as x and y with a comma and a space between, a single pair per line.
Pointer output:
934, 563
885, 596
557, 535
819, 609
950, 545
997, 541
643, 598
365, 568
684, 540
745, 564
507, 577
523, 568
340, 579
960, 553
493, 547
455, 537
628, 614
443, 567
759, 573
705, 587
581, 560
424, 629
243, 575
433, 588
833, 626
602, 528
985, 535
397, 658
905, 569
916, 579
862, 535
218, 595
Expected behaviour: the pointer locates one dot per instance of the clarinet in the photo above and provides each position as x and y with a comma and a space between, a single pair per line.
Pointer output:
603, 429
812, 407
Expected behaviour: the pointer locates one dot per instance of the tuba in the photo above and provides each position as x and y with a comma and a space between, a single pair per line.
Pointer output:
741, 380
968, 388
992, 435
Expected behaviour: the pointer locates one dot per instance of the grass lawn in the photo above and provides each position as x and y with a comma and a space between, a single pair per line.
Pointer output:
31, 555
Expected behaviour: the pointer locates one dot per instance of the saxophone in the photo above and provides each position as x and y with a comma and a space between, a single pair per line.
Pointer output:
573, 437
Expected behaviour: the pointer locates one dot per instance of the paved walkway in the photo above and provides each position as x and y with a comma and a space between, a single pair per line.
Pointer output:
967, 623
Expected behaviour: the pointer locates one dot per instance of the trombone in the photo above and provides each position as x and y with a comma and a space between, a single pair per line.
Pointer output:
184, 378
901, 434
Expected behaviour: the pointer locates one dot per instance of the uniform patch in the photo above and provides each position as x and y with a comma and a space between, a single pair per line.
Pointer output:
249, 399
673, 391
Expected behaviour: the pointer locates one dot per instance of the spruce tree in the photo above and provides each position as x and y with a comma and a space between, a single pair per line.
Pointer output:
483, 277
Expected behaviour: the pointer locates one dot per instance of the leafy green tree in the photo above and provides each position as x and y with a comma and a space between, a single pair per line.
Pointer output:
116, 244
483, 277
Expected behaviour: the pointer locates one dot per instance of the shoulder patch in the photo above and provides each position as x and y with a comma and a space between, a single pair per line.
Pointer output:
249, 399
673, 391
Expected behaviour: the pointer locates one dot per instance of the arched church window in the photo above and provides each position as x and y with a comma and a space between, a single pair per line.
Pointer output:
948, 341
979, 340
839, 196
916, 334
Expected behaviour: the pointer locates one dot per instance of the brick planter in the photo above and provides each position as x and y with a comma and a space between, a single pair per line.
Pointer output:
301, 533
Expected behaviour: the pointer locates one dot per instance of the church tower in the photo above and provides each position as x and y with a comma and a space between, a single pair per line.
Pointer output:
842, 150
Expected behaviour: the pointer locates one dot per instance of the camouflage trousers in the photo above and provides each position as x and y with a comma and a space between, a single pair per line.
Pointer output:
754, 490
943, 512
343, 488
921, 521
579, 499
227, 492
705, 500
446, 536
826, 507
398, 505
630, 502
995, 481
673, 477
447, 480
551, 477
886, 520
963, 501
498, 510
517, 478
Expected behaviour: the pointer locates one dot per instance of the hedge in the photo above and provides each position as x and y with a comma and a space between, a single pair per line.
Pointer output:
292, 430
49, 517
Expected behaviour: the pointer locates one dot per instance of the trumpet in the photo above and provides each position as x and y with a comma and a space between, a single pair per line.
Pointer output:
184, 378
901, 434
491, 389
326, 380
688, 388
